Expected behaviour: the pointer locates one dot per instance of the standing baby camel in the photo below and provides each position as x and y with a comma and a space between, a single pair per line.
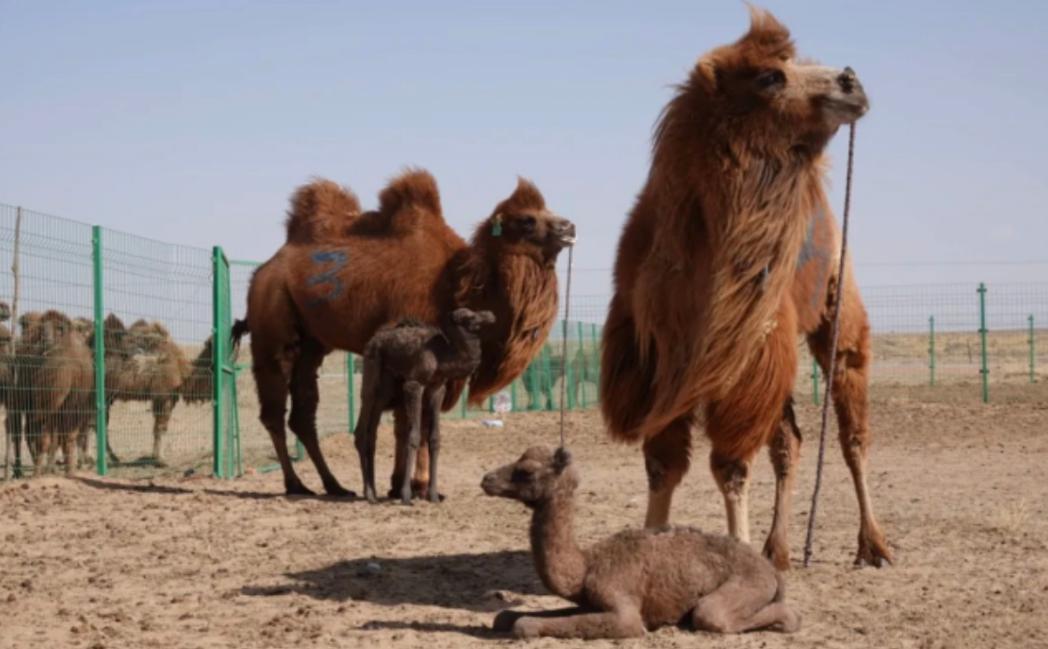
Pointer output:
638, 579
407, 367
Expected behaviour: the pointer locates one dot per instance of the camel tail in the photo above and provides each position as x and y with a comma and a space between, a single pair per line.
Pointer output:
414, 188
238, 331
320, 211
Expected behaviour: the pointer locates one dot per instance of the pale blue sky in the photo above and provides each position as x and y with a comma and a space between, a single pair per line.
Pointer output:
193, 121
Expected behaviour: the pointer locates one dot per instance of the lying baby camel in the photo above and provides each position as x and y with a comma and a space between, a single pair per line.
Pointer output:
638, 579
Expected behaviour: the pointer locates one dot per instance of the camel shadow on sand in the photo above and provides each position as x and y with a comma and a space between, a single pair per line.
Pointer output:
483, 582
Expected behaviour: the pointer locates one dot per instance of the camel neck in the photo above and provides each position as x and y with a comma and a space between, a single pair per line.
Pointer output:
558, 559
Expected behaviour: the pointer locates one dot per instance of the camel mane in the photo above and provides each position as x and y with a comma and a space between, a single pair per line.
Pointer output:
737, 189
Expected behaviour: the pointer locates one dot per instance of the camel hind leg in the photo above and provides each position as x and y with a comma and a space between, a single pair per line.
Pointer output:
305, 396
740, 605
784, 449
667, 457
850, 400
162, 408
412, 405
272, 386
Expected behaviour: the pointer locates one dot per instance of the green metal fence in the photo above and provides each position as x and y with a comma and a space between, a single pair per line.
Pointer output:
111, 340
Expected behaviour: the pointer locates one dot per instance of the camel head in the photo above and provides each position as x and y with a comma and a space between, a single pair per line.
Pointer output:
522, 225
43, 331
535, 478
145, 337
758, 93
472, 321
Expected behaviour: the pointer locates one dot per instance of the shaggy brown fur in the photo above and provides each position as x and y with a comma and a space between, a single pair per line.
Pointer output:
143, 363
334, 288
198, 386
54, 389
637, 579
726, 257
407, 366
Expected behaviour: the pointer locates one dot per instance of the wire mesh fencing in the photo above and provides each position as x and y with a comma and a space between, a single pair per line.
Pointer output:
109, 358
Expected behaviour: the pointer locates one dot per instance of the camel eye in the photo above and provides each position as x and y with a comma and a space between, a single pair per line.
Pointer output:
527, 223
520, 475
770, 79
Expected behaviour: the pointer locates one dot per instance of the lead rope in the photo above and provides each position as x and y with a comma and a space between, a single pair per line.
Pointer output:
833, 349
564, 349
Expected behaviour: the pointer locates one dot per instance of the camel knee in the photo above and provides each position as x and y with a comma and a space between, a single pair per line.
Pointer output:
712, 616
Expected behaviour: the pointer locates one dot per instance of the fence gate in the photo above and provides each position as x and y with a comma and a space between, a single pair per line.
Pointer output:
227, 458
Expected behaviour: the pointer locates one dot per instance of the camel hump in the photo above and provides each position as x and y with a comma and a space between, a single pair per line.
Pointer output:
319, 211
415, 188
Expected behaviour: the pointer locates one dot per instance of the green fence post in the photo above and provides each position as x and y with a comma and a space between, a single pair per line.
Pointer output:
464, 401
985, 371
1033, 354
596, 359
814, 381
513, 395
101, 433
580, 378
218, 344
931, 349
351, 391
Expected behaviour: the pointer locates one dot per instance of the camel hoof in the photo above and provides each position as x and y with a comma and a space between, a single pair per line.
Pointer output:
338, 491
873, 553
778, 555
436, 498
504, 621
298, 490
791, 622
526, 628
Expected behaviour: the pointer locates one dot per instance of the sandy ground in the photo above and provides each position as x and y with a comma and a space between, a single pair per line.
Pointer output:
193, 562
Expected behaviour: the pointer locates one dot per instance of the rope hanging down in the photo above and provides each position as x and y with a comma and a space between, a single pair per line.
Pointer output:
835, 330
564, 348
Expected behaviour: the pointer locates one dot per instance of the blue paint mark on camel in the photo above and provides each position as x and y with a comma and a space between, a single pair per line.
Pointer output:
338, 261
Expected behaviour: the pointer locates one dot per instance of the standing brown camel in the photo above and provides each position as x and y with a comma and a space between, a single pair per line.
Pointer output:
727, 256
342, 274
407, 367
635, 580
54, 390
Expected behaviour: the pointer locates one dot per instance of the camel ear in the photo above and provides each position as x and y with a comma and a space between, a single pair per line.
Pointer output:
561, 459
706, 74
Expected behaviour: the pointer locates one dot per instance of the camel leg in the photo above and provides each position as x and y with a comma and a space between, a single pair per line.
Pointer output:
667, 456
13, 424
504, 620
784, 450
733, 479
69, 450
737, 606
162, 407
420, 480
851, 404
272, 396
436, 397
623, 622
412, 405
304, 398
365, 435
